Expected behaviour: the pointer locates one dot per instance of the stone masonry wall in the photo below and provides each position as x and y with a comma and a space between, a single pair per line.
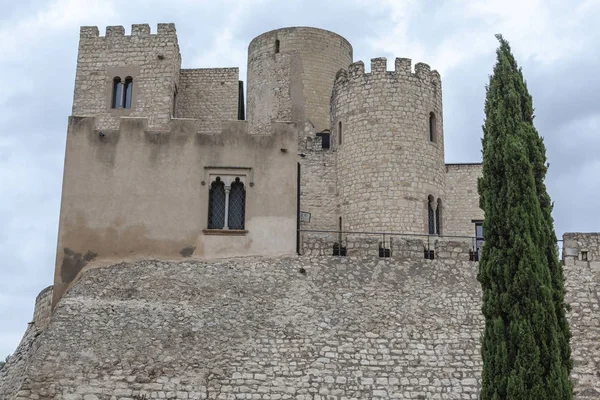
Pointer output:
311, 327
318, 181
387, 165
579, 245
13, 373
152, 60
583, 295
304, 328
462, 199
42, 310
209, 95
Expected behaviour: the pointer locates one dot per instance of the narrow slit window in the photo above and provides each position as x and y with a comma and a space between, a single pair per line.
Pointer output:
277, 46
438, 218
340, 133
117, 93
432, 125
430, 216
128, 91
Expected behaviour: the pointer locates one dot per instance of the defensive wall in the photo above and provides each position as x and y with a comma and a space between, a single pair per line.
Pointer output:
310, 327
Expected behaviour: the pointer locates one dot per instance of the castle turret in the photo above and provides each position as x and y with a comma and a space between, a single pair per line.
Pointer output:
389, 134
291, 73
127, 75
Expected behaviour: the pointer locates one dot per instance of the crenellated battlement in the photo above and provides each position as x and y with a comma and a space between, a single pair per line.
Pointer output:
403, 70
118, 31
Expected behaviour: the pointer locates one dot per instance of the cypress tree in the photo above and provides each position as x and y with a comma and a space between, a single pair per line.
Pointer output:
525, 344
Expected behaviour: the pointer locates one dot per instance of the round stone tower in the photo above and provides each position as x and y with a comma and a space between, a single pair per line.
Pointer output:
388, 129
291, 73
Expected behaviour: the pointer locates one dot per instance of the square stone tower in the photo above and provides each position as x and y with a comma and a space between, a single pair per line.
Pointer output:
127, 75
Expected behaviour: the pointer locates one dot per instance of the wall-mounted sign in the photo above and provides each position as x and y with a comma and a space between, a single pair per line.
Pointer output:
304, 216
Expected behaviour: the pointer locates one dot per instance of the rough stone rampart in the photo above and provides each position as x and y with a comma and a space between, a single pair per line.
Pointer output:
14, 372
308, 327
387, 164
42, 310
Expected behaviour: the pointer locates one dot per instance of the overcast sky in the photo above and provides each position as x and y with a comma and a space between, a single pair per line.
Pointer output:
555, 41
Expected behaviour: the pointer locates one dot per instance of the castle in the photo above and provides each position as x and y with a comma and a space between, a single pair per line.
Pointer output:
185, 206
168, 162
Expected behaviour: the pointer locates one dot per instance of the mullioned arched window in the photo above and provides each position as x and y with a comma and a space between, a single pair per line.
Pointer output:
227, 204
122, 92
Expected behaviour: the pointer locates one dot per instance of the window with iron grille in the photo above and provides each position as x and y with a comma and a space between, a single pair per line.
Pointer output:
237, 205
227, 204
216, 205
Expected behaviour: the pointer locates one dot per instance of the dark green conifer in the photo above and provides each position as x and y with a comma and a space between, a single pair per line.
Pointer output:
525, 344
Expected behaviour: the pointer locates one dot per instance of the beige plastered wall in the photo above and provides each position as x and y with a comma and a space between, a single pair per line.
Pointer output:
134, 193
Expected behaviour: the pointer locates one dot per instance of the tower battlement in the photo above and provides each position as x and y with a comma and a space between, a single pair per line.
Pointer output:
137, 30
403, 71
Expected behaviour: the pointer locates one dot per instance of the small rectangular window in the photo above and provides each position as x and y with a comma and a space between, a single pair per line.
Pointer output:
479, 239
584, 256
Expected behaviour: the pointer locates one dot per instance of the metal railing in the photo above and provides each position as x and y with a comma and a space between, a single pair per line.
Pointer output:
386, 243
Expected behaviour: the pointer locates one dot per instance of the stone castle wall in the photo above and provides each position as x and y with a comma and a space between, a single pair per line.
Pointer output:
583, 295
295, 327
42, 311
152, 60
462, 199
209, 95
291, 72
13, 374
387, 165
318, 182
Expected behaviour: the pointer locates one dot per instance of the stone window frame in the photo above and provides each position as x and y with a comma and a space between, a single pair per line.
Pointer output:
229, 176
123, 73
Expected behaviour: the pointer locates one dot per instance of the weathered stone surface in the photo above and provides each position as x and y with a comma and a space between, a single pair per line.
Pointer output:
258, 328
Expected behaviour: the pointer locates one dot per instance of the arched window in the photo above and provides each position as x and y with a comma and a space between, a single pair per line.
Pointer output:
128, 91
438, 217
237, 205
117, 93
277, 46
432, 128
216, 205
340, 133
122, 92
430, 216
